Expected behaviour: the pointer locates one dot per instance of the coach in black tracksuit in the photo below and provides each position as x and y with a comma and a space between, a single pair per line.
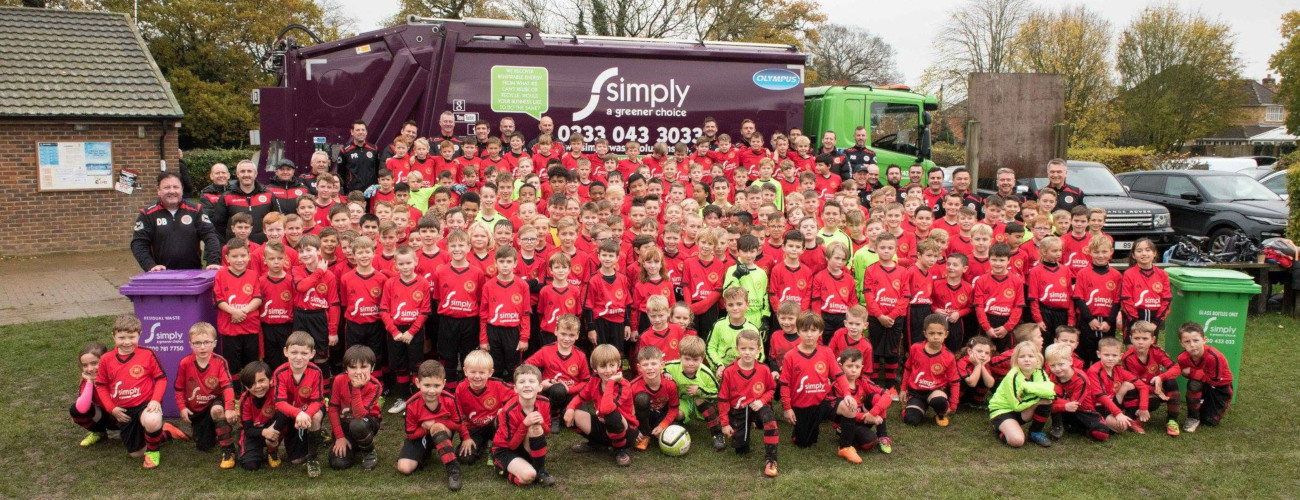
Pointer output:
246, 196
358, 166
167, 234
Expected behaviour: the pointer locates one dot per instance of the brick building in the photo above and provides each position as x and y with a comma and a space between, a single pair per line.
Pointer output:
69, 77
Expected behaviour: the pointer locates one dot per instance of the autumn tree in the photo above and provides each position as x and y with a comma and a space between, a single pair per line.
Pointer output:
1178, 78
977, 37
845, 54
1074, 42
1287, 63
788, 22
446, 9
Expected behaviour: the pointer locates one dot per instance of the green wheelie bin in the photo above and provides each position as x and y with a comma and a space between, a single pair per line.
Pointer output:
1216, 299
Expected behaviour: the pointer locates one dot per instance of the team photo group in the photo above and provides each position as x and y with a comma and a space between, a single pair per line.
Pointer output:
484, 293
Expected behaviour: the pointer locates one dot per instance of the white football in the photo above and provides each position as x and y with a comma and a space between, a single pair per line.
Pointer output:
675, 441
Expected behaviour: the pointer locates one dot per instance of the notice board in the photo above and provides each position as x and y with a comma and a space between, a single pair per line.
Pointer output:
74, 166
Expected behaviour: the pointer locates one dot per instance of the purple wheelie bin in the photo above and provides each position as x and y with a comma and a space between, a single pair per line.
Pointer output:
168, 303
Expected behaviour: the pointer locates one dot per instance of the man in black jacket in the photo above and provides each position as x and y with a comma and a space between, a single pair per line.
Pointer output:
358, 161
167, 234
286, 187
245, 196
210, 195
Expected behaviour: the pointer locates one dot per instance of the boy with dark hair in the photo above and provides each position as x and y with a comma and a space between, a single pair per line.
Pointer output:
431, 418
873, 402
809, 374
299, 388
360, 291
930, 367
1152, 365
277, 292
1209, 378
354, 410
999, 296
505, 315
563, 368
605, 309
954, 298
654, 397
612, 420
789, 280
749, 277
259, 439
239, 300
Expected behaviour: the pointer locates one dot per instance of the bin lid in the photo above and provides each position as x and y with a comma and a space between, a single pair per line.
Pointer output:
1209, 279
179, 282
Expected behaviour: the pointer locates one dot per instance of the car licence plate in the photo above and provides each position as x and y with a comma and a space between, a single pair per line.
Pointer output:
1123, 245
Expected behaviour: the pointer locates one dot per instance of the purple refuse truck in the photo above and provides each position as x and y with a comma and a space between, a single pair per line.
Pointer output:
601, 87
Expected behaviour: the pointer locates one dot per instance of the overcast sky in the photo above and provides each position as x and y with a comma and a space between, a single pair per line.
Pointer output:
908, 26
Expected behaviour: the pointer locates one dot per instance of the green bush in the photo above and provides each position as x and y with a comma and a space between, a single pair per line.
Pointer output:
1288, 160
199, 162
1118, 159
1293, 187
946, 155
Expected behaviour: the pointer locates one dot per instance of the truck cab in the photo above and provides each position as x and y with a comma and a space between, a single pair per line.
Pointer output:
897, 121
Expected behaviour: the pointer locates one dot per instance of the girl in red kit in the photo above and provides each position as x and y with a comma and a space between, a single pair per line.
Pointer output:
650, 281
88, 410
1144, 289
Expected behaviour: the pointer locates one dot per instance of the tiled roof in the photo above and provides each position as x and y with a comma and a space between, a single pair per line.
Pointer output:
1257, 94
61, 63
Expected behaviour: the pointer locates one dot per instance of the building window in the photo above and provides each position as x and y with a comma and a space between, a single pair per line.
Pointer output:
1273, 114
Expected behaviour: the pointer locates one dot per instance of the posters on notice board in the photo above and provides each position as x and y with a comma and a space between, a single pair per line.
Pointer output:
74, 166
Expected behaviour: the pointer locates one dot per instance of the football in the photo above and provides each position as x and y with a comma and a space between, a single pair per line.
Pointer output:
674, 441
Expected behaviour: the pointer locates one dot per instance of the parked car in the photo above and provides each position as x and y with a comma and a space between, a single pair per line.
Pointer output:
1212, 203
1263, 161
1275, 181
1127, 218
1221, 164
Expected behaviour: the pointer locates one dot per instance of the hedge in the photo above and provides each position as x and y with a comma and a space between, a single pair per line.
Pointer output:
1118, 159
199, 162
946, 155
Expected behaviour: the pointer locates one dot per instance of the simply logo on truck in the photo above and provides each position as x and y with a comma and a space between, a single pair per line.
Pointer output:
624, 92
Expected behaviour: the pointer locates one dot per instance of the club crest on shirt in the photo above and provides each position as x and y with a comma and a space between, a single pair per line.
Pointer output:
844, 291
374, 292
569, 303
490, 402
820, 367
896, 284
1008, 293
186, 219
137, 371
961, 297
1061, 282
285, 295
1157, 287
1110, 285
618, 294
759, 388
713, 277
268, 410
247, 289
672, 344
469, 286
417, 295
304, 391
936, 369
261, 198
573, 370
516, 298
322, 288
210, 382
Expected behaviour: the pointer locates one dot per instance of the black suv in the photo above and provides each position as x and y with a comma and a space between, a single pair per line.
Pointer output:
1212, 203
1127, 218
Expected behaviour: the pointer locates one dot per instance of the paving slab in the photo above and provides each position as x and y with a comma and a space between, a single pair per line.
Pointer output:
64, 286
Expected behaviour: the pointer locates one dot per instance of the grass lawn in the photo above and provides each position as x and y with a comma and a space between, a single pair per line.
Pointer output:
1253, 454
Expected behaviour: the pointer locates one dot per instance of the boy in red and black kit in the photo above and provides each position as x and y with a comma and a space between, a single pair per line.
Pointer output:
810, 379
1081, 405
354, 410
277, 291
999, 296
131, 384
920, 289
259, 439
654, 397
456, 291
612, 421
873, 402
1152, 365
884, 284
745, 400
431, 418
316, 301
505, 315
519, 446
238, 298
1117, 383
479, 397
954, 298
404, 309
1096, 298
930, 367
1209, 379
789, 279
299, 388
605, 309
360, 291
204, 395
564, 369
1049, 295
